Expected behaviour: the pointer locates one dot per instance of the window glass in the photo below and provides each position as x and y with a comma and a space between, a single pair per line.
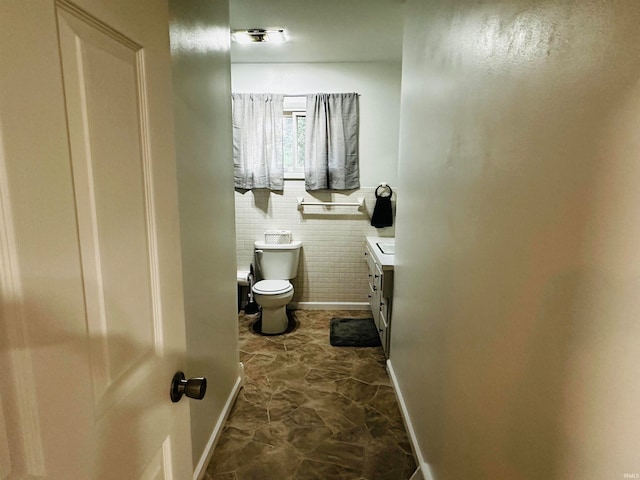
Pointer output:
301, 123
287, 142
293, 138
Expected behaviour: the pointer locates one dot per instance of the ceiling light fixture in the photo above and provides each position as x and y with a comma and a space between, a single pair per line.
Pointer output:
260, 35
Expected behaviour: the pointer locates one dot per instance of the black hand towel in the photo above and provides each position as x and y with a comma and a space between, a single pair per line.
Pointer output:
382, 212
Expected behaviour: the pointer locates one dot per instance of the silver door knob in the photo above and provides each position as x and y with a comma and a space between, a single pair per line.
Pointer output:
192, 388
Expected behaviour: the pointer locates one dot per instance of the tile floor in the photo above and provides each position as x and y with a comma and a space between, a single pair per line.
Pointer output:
311, 411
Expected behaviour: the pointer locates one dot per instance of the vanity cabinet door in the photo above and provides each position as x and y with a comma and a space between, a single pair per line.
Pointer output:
374, 287
384, 307
374, 303
380, 296
383, 331
386, 301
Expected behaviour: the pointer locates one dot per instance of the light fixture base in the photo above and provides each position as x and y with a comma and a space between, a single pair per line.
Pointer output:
260, 35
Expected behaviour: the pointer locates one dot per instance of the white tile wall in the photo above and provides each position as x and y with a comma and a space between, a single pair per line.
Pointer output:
332, 265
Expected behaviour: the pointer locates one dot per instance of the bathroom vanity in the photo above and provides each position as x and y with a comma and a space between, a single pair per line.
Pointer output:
379, 252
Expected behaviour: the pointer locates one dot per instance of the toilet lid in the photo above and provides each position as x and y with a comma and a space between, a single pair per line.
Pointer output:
272, 287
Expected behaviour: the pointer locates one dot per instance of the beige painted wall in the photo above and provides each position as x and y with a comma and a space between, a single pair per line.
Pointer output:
515, 338
202, 86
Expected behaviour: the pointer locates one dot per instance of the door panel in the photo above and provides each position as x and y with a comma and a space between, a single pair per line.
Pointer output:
160, 466
90, 196
20, 445
5, 457
104, 87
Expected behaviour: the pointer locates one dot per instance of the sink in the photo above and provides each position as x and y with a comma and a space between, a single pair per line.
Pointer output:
388, 247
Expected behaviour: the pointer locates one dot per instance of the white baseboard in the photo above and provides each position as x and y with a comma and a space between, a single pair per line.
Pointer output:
423, 471
201, 468
328, 306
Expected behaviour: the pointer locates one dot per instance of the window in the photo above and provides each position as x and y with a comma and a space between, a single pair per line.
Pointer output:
293, 144
293, 136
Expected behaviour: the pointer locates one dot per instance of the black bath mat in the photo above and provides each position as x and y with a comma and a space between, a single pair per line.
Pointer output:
353, 332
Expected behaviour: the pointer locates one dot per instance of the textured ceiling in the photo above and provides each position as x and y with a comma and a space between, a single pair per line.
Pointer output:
321, 30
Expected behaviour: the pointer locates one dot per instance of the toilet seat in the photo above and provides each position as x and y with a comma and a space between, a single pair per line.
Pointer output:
272, 287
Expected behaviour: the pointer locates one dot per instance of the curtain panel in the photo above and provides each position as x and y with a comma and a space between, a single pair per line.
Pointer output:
257, 141
331, 151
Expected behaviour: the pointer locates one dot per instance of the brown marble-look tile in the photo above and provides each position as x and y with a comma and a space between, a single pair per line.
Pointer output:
347, 455
221, 476
311, 470
274, 462
306, 439
309, 410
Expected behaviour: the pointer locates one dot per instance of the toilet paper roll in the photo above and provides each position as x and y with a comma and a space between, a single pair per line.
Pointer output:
243, 277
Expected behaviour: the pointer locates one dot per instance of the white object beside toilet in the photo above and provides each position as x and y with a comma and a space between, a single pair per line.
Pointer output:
244, 283
277, 264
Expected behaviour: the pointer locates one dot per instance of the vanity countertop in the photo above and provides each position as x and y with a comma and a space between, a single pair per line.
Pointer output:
383, 249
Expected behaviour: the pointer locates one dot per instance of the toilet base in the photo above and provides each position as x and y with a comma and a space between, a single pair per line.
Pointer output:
274, 320
274, 311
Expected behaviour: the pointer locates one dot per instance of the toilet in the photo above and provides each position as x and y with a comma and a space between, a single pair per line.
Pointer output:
277, 264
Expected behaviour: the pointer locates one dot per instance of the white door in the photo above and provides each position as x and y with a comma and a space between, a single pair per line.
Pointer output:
92, 311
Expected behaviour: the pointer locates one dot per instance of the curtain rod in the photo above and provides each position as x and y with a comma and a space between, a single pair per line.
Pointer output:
305, 94
300, 94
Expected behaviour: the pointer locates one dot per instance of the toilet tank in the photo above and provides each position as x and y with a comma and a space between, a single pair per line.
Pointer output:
278, 261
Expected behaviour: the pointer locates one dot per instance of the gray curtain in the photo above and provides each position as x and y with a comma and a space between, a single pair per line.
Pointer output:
331, 152
257, 141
